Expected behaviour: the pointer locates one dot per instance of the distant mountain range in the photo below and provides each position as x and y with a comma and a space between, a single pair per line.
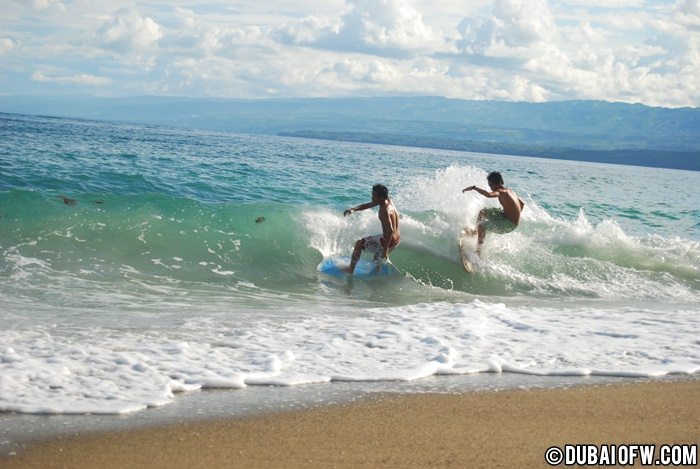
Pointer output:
580, 130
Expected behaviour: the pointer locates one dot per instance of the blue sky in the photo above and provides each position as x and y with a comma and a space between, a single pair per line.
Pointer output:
634, 51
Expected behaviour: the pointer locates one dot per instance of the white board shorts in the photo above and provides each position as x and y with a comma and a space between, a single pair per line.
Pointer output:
373, 245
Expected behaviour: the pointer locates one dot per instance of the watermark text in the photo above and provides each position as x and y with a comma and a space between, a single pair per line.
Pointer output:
622, 455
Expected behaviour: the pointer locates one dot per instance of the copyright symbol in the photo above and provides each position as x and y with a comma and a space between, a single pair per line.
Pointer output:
553, 456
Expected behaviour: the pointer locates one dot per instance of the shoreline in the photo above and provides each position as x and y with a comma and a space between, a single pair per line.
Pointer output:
482, 428
19, 429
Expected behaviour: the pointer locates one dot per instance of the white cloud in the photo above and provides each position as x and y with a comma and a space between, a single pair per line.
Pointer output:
129, 33
628, 50
689, 7
589, 61
380, 27
584, 33
191, 37
41, 5
192, 34
621, 23
633, 56
309, 30
80, 79
612, 4
688, 13
6, 45
370, 72
515, 24
387, 23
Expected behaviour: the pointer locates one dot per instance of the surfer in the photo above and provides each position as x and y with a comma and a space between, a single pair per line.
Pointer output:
381, 244
499, 220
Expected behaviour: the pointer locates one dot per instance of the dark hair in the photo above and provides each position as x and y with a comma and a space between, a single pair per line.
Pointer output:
495, 178
380, 191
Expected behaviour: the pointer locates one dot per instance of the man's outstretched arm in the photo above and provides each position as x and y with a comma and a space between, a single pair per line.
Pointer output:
481, 191
360, 207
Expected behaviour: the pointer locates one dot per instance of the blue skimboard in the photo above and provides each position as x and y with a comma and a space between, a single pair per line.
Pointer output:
364, 268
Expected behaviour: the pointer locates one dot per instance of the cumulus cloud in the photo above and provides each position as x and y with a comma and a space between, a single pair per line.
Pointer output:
41, 5
80, 79
514, 25
386, 23
191, 37
630, 21
584, 33
370, 72
689, 7
192, 34
380, 27
6, 45
550, 60
309, 31
688, 13
643, 55
129, 33
514, 48
537, 50
605, 3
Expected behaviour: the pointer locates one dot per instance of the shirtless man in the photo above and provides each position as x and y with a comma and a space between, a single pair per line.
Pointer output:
381, 244
498, 220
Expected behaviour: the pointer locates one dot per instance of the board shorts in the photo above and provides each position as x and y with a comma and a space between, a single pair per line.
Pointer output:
495, 221
373, 245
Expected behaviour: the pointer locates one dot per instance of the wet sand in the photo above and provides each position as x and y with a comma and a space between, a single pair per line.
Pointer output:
510, 428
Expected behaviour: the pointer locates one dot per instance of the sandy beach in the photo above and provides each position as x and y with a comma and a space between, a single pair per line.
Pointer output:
510, 428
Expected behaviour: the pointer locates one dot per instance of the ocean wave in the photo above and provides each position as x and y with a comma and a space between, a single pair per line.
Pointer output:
177, 242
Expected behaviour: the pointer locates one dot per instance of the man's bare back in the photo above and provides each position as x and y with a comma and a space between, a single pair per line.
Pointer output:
389, 218
493, 219
512, 205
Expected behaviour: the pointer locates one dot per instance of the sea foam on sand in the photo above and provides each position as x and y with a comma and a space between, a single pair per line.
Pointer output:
69, 369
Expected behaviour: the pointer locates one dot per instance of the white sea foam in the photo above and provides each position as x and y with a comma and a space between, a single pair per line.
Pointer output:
62, 369
546, 255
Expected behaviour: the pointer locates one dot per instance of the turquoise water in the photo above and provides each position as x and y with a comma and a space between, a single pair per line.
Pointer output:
137, 262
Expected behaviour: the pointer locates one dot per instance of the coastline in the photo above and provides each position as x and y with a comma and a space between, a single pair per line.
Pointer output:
485, 429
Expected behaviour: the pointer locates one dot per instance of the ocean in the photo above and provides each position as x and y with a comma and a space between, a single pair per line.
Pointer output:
141, 264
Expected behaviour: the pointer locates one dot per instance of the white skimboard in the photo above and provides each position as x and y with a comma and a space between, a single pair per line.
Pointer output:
467, 250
